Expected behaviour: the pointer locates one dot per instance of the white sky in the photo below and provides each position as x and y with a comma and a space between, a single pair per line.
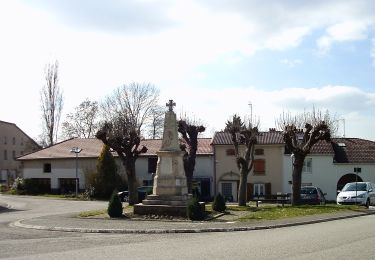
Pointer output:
212, 57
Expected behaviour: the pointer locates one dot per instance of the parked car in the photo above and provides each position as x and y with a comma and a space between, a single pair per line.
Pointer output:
312, 195
362, 193
124, 196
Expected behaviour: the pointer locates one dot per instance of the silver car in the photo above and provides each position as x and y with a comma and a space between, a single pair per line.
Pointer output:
362, 193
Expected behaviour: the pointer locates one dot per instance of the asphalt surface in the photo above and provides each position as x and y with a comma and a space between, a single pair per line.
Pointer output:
72, 223
26, 223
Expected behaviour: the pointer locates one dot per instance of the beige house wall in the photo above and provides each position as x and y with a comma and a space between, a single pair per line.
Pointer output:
227, 171
13, 143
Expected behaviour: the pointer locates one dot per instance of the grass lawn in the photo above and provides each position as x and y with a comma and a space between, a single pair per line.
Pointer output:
272, 212
251, 213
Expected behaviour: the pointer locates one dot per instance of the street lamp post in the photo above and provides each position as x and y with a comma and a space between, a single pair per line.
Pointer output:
76, 150
291, 189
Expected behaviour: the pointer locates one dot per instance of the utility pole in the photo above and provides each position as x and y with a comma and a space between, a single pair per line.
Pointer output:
251, 112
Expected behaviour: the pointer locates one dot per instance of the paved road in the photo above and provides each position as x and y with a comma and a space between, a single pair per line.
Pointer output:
343, 239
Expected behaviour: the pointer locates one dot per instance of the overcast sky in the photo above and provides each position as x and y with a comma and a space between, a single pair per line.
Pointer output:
212, 57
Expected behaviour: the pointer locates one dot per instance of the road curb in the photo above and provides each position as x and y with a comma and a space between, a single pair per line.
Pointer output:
183, 230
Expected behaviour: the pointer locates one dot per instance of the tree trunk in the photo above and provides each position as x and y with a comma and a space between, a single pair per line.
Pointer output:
189, 165
132, 184
242, 189
189, 181
297, 179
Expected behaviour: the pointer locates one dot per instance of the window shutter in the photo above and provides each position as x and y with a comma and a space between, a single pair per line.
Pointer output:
268, 188
259, 166
250, 190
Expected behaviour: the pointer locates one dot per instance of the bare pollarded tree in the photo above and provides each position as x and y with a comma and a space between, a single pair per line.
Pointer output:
125, 141
83, 122
301, 132
51, 104
243, 135
126, 112
189, 130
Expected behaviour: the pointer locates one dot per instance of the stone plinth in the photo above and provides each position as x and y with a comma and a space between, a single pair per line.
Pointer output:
170, 193
170, 175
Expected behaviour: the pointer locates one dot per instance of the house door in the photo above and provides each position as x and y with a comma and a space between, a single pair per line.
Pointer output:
205, 189
67, 185
226, 188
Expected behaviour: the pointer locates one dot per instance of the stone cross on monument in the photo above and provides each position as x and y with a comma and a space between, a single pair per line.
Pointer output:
170, 105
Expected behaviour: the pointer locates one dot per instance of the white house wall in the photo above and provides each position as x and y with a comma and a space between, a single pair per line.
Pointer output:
65, 168
325, 174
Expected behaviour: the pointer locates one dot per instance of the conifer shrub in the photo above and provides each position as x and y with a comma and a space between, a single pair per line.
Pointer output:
106, 178
194, 210
115, 206
219, 203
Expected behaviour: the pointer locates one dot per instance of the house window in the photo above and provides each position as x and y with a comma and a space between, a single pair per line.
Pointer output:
21, 140
5, 140
152, 163
21, 152
226, 189
47, 167
14, 140
14, 154
230, 152
259, 151
259, 189
259, 166
307, 165
5, 155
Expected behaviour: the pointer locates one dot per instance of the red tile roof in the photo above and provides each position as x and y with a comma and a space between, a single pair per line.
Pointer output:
353, 150
274, 137
344, 150
322, 147
91, 148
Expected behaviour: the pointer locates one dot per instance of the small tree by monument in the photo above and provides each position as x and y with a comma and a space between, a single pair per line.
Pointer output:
105, 179
301, 133
219, 203
189, 132
246, 136
114, 209
195, 210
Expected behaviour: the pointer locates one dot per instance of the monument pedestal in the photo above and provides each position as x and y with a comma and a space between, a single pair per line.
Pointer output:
170, 193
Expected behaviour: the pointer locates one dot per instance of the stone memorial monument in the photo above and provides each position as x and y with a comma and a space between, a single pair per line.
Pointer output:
170, 193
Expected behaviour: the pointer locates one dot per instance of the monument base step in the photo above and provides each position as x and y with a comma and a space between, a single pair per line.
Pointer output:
175, 200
